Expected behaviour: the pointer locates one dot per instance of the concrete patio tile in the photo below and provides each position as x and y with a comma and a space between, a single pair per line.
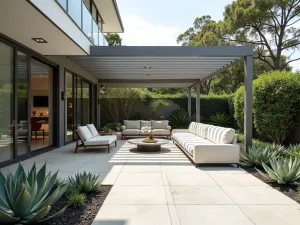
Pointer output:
108, 178
179, 168
199, 195
189, 179
273, 214
169, 196
174, 215
212, 215
141, 168
236, 179
133, 215
257, 195
136, 195
222, 170
102, 167
139, 179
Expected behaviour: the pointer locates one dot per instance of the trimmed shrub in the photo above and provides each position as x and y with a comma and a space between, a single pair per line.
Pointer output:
276, 98
238, 101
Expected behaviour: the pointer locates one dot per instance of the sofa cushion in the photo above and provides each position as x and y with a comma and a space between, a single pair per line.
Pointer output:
101, 140
145, 123
199, 129
132, 124
133, 132
160, 132
159, 124
84, 133
192, 127
93, 130
220, 135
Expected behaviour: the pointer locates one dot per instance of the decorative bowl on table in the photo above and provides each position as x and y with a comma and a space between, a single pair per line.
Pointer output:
149, 140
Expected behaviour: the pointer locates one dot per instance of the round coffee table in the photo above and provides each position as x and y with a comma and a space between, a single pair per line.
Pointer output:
148, 147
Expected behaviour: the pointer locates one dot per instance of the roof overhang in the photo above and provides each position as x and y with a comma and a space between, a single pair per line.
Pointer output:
158, 66
111, 16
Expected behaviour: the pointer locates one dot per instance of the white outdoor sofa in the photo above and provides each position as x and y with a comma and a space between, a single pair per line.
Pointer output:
208, 144
89, 137
134, 128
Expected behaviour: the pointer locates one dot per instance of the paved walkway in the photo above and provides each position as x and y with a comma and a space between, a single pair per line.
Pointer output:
165, 188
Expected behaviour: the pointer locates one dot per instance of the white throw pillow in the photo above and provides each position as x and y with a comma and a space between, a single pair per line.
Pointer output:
159, 124
132, 124
93, 130
84, 132
220, 135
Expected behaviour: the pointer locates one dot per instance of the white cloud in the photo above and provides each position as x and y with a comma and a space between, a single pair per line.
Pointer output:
141, 32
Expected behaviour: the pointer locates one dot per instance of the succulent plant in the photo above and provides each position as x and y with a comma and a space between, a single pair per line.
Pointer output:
27, 198
294, 150
282, 170
85, 182
258, 154
76, 199
220, 119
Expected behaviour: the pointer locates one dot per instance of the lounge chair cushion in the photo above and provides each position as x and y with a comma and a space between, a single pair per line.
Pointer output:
93, 130
84, 133
101, 140
133, 132
159, 124
132, 124
220, 135
145, 123
160, 132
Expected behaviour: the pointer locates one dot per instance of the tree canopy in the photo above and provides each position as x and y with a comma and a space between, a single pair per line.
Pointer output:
113, 39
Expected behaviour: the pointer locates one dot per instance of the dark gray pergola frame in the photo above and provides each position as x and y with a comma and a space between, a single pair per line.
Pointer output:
211, 52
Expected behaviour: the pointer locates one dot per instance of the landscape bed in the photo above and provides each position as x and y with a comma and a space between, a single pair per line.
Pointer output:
84, 215
287, 189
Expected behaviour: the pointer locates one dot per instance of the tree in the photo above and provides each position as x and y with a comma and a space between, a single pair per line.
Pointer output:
270, 25
113, 39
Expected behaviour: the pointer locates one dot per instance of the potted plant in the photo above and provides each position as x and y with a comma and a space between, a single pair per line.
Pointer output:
149, 130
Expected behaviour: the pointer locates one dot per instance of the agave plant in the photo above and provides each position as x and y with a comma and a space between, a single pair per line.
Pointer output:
294, 150
27, 198
283, 170
262, 153
85, 182
179, 119
220, 119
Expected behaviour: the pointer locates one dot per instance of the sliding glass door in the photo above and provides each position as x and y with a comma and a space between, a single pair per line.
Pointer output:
78, 104
6, 102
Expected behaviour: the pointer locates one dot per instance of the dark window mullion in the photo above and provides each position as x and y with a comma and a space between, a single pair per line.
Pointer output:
29, 103
15, 104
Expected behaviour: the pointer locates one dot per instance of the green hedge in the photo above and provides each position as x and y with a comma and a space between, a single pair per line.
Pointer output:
276, 102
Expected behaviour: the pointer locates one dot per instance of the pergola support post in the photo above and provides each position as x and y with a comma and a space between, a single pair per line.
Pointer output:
248, 78
198, 101
190, 103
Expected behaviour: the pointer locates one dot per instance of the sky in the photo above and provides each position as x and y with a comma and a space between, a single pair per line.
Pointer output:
159, 22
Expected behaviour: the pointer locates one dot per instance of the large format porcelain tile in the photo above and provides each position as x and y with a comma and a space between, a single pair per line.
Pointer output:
199, 195
212, 215
189, 179
236, 179
133, 215
273, 214
140, 179
136, 195
257, 195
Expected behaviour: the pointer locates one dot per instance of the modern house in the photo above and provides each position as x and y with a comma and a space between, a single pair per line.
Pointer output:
37, 81
54, 57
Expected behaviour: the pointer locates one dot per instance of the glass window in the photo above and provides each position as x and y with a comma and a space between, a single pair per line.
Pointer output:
86, 102
87, 4
6, 99
95, 33
87, 22
94, 12
74, 11
22, 96
70, 106
63, 3
78, 101
99, 21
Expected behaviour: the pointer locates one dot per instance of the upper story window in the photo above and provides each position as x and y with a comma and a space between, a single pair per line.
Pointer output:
86, 15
